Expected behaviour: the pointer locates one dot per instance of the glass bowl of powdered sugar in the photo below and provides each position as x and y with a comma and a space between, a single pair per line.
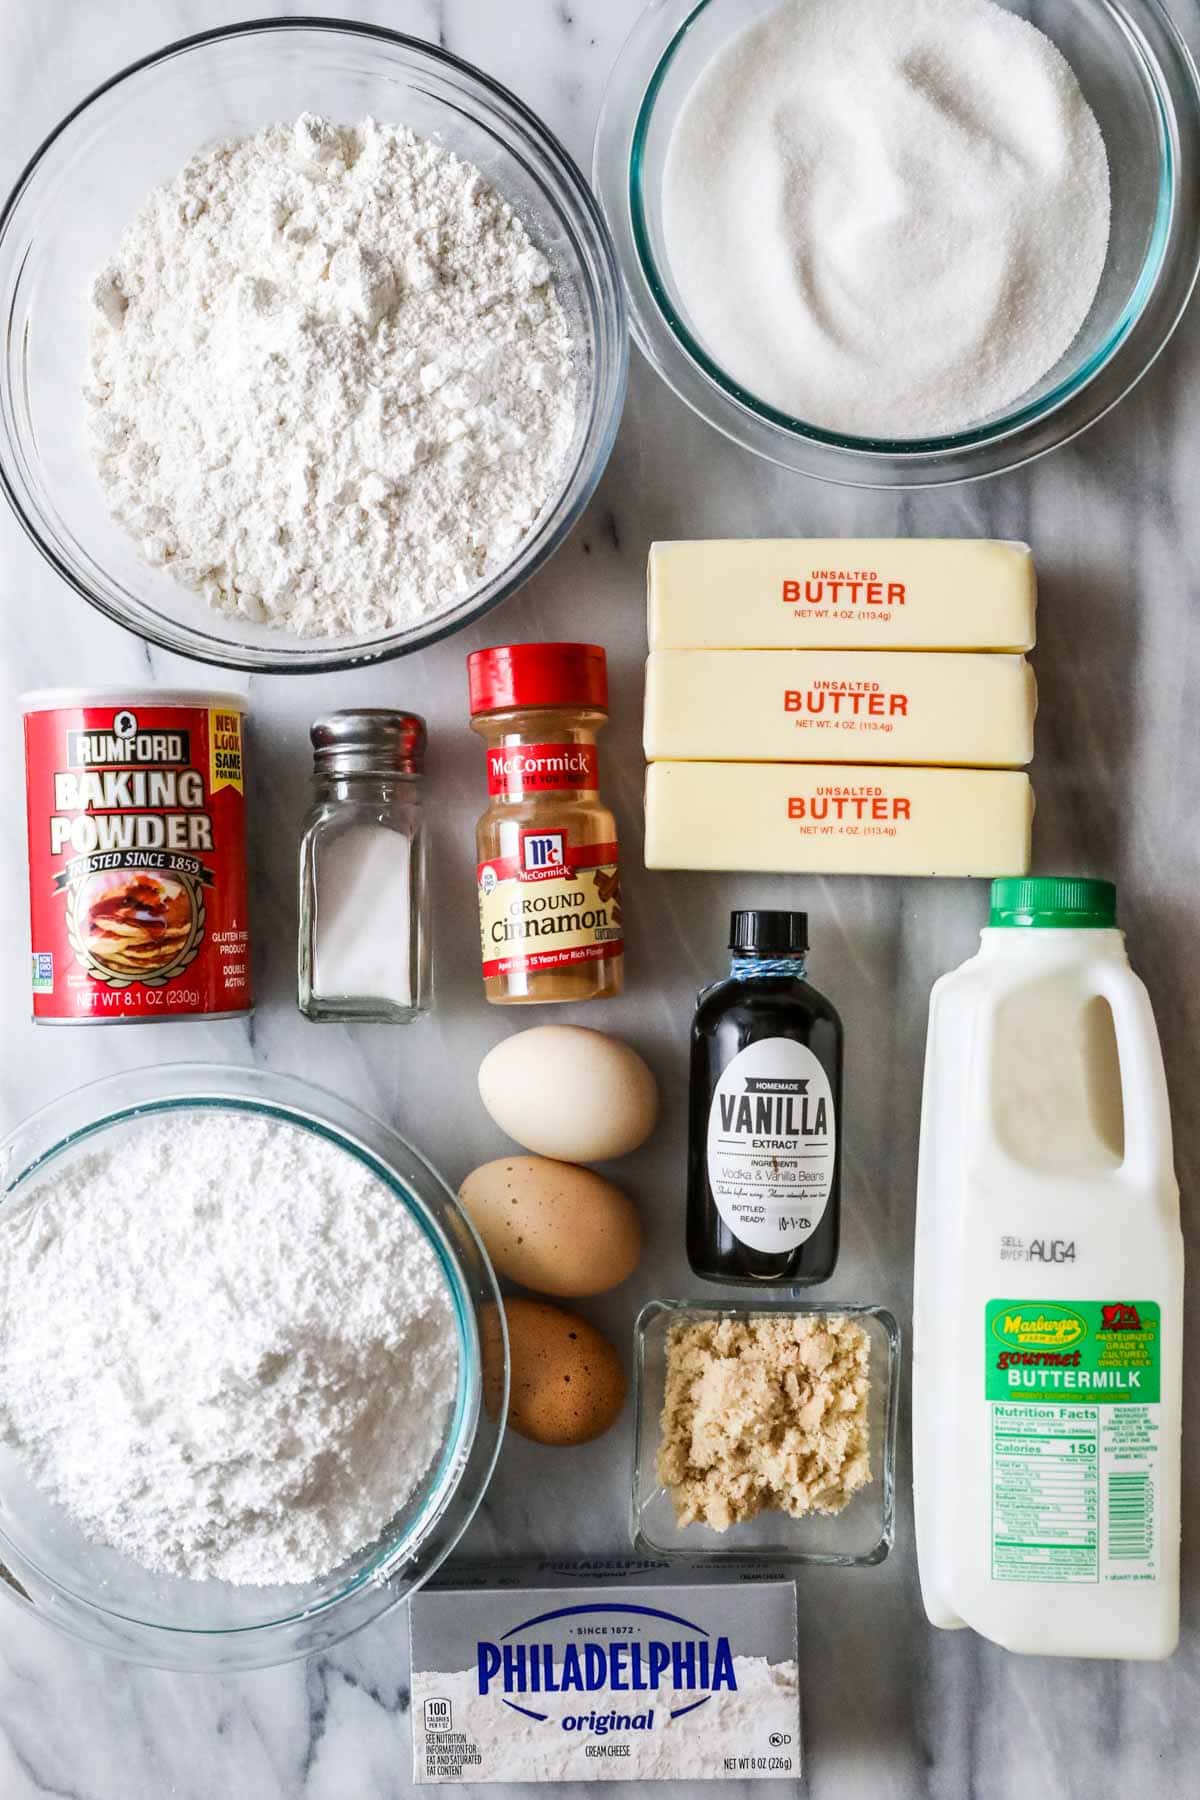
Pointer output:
315, 345
240, 1367
898, 245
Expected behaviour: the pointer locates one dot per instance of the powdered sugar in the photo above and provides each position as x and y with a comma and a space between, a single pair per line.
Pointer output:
225, 1347
332, 383
887, 220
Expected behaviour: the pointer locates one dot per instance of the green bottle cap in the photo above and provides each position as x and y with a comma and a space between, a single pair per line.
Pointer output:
1054, 902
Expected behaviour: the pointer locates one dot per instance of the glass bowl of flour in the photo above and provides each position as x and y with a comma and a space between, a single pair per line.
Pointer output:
241, 1351
899, 246
315, 346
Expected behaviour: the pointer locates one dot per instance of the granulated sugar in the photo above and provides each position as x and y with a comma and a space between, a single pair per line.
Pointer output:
332, 383
887, 220
225, 1348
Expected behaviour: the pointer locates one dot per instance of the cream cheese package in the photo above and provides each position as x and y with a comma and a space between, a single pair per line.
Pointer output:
837, 819
841, 594
834, 705
605, 1672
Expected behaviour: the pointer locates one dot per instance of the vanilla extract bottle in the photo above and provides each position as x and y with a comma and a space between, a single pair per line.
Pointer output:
764, 1129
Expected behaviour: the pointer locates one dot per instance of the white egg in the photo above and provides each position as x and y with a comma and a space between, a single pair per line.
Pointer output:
570, 1093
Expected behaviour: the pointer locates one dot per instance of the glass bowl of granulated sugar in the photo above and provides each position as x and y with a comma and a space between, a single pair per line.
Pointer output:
241, 1407
902, 245
315, 346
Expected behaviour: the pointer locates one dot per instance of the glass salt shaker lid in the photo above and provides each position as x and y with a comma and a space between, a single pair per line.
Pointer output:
366, 740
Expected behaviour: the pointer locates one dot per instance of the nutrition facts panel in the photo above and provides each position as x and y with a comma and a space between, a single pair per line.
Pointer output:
1045, 1492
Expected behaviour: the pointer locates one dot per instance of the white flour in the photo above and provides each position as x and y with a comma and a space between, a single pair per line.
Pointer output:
332, 383
887, 219
225, 1348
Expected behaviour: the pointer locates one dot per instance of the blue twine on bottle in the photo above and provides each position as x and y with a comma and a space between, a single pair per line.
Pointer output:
745, 968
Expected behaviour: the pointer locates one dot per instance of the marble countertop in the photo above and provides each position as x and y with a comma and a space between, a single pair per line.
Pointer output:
893, 1709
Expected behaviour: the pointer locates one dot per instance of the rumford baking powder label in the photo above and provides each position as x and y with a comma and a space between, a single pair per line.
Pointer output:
137, 859
604, 1678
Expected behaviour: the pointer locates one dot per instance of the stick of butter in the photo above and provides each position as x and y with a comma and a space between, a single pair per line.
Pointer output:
830, 705
841, 593
836, 819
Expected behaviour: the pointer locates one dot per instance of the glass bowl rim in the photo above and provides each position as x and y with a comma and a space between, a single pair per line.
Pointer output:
302, 1104
1149, 317
658, 1308
578, 483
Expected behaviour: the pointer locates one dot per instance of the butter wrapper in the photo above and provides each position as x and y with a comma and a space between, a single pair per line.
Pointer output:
841, 594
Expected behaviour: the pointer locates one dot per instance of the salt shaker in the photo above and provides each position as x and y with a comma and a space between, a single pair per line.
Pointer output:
364, 937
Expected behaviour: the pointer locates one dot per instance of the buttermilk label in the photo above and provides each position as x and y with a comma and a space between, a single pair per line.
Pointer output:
1073, 1392
772, 1140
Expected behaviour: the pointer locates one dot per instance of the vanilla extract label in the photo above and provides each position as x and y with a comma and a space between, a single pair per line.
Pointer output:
772, 1141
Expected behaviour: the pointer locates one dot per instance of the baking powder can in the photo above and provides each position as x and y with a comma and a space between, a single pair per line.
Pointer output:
137, 855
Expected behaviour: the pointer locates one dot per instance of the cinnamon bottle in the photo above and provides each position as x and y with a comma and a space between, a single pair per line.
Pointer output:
549, 889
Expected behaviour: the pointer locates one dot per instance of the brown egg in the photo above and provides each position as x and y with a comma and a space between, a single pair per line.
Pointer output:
567, 1384
553, 1226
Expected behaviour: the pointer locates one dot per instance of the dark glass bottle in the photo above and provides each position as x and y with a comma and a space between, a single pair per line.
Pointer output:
764, 1131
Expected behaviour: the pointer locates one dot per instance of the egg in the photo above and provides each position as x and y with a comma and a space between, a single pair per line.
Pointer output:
566, 1381
552, 1226
570, 1093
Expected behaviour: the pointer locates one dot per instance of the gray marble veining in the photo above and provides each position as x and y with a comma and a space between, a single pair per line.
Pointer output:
894, 1710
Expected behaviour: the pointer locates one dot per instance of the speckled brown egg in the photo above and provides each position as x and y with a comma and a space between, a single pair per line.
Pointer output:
553, 1226
566, 1381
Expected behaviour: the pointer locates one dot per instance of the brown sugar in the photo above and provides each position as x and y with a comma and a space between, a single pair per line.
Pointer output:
764, 1413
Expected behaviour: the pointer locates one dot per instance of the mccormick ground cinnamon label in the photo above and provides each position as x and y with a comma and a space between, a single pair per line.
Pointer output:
549, 889
137, 855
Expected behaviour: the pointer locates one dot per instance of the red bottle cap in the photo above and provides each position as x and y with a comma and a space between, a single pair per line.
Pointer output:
511, 676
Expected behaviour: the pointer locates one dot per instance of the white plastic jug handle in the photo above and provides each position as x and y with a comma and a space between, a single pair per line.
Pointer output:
1148, 1153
